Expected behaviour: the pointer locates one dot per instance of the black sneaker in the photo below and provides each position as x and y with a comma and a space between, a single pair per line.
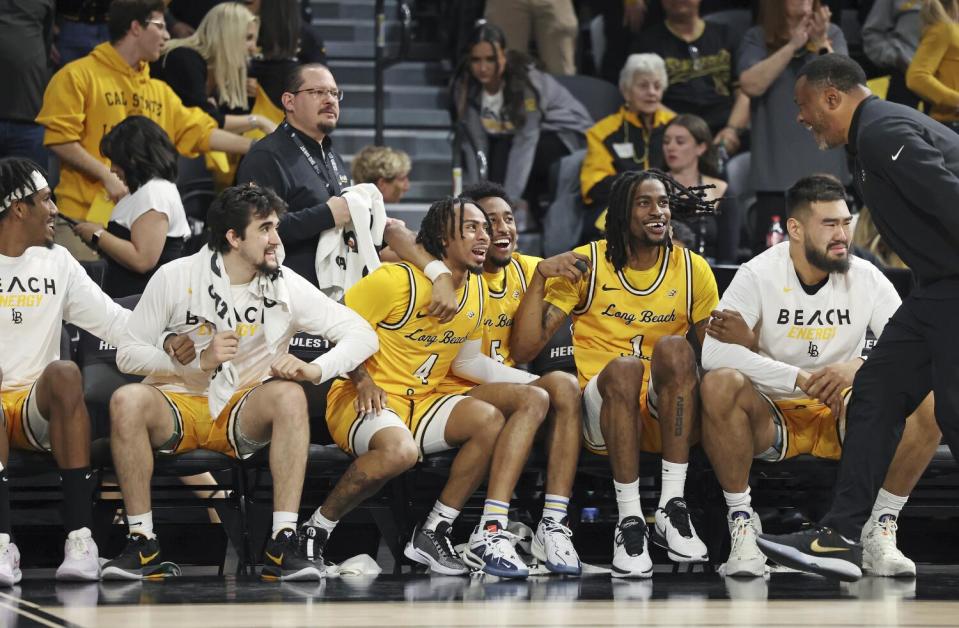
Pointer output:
817, 550
139, 560
313, 543
283, 560
434, 549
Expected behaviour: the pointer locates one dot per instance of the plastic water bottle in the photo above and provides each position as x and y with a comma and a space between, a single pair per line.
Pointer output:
589, 515
775, 235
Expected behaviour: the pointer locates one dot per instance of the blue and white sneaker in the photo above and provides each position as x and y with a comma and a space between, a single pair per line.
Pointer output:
491, 550
553, 546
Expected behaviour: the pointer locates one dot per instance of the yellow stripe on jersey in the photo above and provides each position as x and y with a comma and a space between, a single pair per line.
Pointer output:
623, 313
416, 350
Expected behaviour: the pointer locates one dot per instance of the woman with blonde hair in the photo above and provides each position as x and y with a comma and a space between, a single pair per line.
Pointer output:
208, 69
933, 73
387, 168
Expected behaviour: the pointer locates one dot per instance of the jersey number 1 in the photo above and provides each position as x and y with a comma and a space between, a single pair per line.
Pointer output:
423, 372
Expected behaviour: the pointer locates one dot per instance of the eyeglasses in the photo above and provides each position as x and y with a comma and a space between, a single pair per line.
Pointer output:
161, 24
319, 92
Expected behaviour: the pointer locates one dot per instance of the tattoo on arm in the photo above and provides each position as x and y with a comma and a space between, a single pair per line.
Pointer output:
552, 315
680, 404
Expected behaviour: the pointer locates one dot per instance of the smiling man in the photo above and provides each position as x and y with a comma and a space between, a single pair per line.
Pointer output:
633, 297
41, 286
907, 169
782, 390
391, 413
240, 308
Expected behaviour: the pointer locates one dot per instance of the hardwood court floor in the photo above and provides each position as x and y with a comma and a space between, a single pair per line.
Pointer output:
785, 599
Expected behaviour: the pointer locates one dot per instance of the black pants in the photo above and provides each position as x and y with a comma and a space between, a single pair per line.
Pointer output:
917, 352
549, 150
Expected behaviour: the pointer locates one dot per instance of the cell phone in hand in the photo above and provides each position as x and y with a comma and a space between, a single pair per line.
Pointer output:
68, 220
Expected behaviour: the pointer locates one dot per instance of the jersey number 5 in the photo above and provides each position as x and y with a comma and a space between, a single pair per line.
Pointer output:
423, 372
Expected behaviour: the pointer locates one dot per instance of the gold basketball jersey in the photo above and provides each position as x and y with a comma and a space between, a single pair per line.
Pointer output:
416, 350
623, 313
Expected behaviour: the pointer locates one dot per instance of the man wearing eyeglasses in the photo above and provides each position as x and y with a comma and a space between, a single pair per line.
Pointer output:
88, 97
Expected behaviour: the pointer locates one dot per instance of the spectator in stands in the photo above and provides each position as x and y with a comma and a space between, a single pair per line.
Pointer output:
208, 69
773, 393
691, 160
86, 99
934, 72
81, 26
699, 61
552, 23
26, 32
521, 118
149, 225
286, 40
890, 36
389, 169
789, 34
631, 138
41, 392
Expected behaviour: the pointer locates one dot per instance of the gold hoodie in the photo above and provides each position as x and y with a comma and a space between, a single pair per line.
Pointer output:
89, 96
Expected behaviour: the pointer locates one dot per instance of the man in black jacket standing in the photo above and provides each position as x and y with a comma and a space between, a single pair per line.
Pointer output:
907, 170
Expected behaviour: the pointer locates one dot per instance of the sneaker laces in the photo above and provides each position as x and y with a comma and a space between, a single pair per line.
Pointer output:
77, 548
743, 529
678, 515
632, 537
559, 533
501, 543
883, 536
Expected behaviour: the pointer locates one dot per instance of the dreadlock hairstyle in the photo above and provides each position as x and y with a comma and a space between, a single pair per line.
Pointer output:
15, 174
683, 201
440, 223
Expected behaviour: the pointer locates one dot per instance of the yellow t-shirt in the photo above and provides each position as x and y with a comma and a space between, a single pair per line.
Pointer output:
624, 313
416, 350
90, 96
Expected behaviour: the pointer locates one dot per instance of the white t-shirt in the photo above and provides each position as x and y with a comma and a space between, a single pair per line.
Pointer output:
159, 195
38, 291
799, 330
164, 308
492, 115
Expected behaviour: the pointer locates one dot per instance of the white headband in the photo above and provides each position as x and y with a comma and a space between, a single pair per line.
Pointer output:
38, 183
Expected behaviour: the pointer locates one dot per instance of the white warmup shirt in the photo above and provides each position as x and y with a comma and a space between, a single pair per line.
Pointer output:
157, 195
799, 330
38, 291
164, 308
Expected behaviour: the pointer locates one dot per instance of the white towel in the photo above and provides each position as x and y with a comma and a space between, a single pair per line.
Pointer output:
344, 253
212, 300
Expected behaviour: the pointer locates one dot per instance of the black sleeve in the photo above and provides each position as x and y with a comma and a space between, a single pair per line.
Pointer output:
185, 71
599, 193
260, 167
912, 163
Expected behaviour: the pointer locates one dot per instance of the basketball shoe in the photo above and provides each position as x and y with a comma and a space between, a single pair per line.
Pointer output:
139, 560
818, 550
81, 559
313, 543
880, 556
283, 560
630, 550
491, 549
434, 549
745, 559
553, 546
674, 532
10, 573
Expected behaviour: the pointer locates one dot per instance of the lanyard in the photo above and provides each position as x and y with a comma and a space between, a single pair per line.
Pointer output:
332, 182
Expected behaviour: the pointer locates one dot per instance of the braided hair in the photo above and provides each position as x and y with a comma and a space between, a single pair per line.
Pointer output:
683, 201
440, 223
16, 173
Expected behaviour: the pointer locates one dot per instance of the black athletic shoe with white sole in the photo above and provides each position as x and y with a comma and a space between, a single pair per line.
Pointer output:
140, 560
817, 550
283, 560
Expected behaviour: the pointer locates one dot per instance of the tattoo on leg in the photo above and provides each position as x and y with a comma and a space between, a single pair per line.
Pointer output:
680, 402
352, 487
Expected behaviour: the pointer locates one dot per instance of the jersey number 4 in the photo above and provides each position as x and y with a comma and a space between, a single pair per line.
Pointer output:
424, 370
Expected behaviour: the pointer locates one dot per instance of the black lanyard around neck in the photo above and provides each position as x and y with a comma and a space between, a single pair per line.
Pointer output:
319, 167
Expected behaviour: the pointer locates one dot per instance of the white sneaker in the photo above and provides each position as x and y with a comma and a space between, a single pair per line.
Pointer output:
81, 559
491, 550
10, 573
630, 550
745, 559
880, 556
674, 532
553, 546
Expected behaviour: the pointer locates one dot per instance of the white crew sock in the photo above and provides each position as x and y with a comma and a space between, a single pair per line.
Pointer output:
627, 499
283, 520
322, 522
887, 504
440, 512
739, 502
142, 524
674, 481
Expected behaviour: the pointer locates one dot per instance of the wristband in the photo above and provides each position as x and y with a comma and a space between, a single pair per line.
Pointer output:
95, 240
434, 269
